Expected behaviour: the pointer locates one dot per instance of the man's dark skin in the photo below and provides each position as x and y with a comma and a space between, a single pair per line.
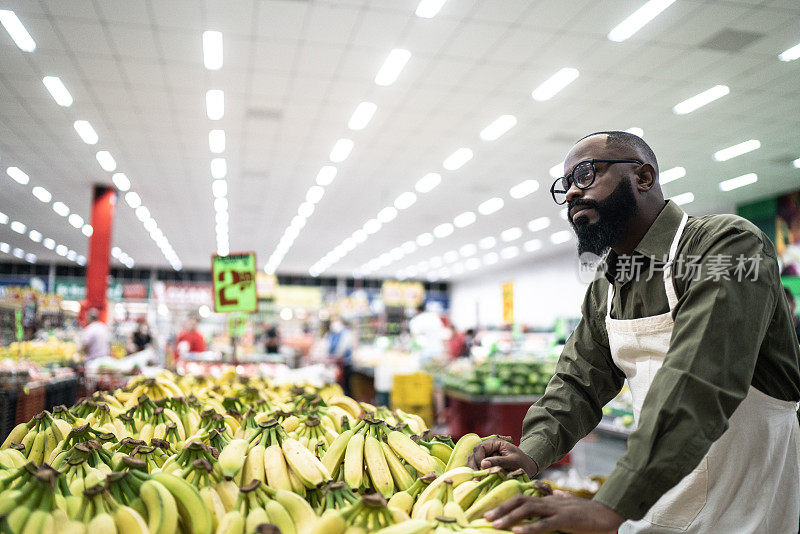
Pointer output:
563, 512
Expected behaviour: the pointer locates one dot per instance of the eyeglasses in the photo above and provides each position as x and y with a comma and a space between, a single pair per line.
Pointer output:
582, 175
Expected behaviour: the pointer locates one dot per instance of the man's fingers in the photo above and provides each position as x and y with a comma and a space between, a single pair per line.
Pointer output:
542, 526
506, 507
526, 510
487, 448
507, 463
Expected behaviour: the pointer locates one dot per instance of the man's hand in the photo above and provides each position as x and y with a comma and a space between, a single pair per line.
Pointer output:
561, 512
497, 452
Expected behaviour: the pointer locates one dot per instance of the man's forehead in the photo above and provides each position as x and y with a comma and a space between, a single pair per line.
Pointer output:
594, 147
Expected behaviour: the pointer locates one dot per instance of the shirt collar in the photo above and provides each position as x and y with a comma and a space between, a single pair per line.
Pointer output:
655, 243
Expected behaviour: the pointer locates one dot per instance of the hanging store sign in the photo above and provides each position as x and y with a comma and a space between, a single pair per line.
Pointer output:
508, 302
298, 297
234, 278
265, 285
181, 295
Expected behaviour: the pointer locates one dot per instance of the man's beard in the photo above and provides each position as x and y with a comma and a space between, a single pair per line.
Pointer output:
615, 213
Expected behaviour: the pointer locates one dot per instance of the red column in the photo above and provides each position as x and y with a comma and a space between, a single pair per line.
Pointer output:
97, 267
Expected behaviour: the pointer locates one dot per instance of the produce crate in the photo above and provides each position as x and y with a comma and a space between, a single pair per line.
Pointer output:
412, 389
8, 412
63, 391
30, 402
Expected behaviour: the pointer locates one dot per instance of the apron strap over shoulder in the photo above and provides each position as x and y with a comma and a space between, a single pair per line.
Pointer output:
669, 287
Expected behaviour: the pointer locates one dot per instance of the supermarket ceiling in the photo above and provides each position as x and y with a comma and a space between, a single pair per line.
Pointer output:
292, 75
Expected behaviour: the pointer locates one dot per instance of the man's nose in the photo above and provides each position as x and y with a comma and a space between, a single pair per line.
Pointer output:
573, 192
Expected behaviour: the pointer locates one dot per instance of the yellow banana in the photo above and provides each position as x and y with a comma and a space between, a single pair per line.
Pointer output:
297, 484
146, 433
228, 492
129, 521
15, 521
254, 465
231, 459
256, 517
462, 451
354, 462
331, 522
303, 462
72, 527
102, 524
336, 450
275, 469
16, 436
431, 510
493, 499
160, 431
415, 455
36, 454
231, 523
401, 500
402, 478
193, 513
16, 457
299, 510
442, 451
162, 510
279, 517
39, 522
412, 526
377, 467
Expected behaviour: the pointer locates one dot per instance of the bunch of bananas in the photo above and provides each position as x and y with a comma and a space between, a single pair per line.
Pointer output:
171, 455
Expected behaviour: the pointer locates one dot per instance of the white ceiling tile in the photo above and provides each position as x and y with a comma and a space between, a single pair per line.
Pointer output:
125, 11
331, 24
278, 19
133, 42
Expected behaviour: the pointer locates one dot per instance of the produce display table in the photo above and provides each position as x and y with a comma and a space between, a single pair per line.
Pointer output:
487, 414
362, 383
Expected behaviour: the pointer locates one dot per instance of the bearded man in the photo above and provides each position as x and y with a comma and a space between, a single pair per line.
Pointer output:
690, 311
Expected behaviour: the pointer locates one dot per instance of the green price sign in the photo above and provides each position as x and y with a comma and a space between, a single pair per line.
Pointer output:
235, 282
20, 332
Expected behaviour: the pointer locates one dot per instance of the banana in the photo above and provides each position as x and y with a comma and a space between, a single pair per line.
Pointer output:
377, 467
399, 515
401, 500
402, 478
493, 499
297, 484
39, 522
16, 457
160, 431
191, 508
256, 517
279, 517
354, 462
231, 459
129, 521
36, 454
162, 510
27, 441
254, 465
228, 492
16, 435
213, 502
331, 522
15, 521
458, 475
347, 404
231, 523
335, 454
415, 455
413, 526
431, 510
442, 451
461, 491
72, 527
102, 524
462, 451
299, 510
303, 462
275, 469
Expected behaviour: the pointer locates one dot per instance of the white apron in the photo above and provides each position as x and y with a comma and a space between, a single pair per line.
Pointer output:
750, 479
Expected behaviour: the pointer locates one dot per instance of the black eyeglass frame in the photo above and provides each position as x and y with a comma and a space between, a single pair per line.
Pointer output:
568, 177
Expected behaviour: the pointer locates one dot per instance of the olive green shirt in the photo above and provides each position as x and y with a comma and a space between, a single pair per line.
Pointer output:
728, 335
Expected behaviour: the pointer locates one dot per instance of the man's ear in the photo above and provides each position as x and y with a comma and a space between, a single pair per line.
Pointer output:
646, 177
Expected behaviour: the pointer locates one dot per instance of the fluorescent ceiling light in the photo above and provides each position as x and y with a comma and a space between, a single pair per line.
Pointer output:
409, 247
557, 170
5, 247
17, 175
3, 218
670, 175
464, 219
106, 160
133, 199
487, 242
42, 194
142, 213
387, 214
115, 252
443, 230
423, 266
372, 226
219, 168
18, 227
121, 181
341, 150
405, 200
683, 198
787, 55
219, 188
638, 19
35, 236
739, 181
86, 132
392, 67
19, 253
700, 100
458, 268
737, 150
215, 104
561, 237
359, 236
796, 163
150, 225
553, 85
457, 159
17, 31
212, 50
30, 257
49, 243
539, 223
435, 262
57, 90
61, 250
362, 115
75, 220
396, 253
61, 208
216, 141
635, 130
314, 194
428, 182
349, 244
326, 175
427, 9
222, 217
523, 189
491, 206
491, 258
72, 255
425, 239
472, 264
450, 256
87, 230
511, 234
468, 250
532, 245
498, 127
509, 252
82, 260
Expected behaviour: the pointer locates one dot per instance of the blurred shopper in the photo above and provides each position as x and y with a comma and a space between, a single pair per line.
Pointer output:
96, 337
141, 338
340, 350
708, 350
190, 340
792, 307
272, 339
428, 332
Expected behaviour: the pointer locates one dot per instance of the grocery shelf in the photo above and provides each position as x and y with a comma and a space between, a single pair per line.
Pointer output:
491, 399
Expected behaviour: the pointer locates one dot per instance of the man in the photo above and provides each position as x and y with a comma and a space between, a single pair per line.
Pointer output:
95, 339
428, 332
792, 306
710, 360
340, 349
190, 340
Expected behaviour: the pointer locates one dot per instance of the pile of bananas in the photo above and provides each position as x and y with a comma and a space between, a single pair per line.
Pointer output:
197, 455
